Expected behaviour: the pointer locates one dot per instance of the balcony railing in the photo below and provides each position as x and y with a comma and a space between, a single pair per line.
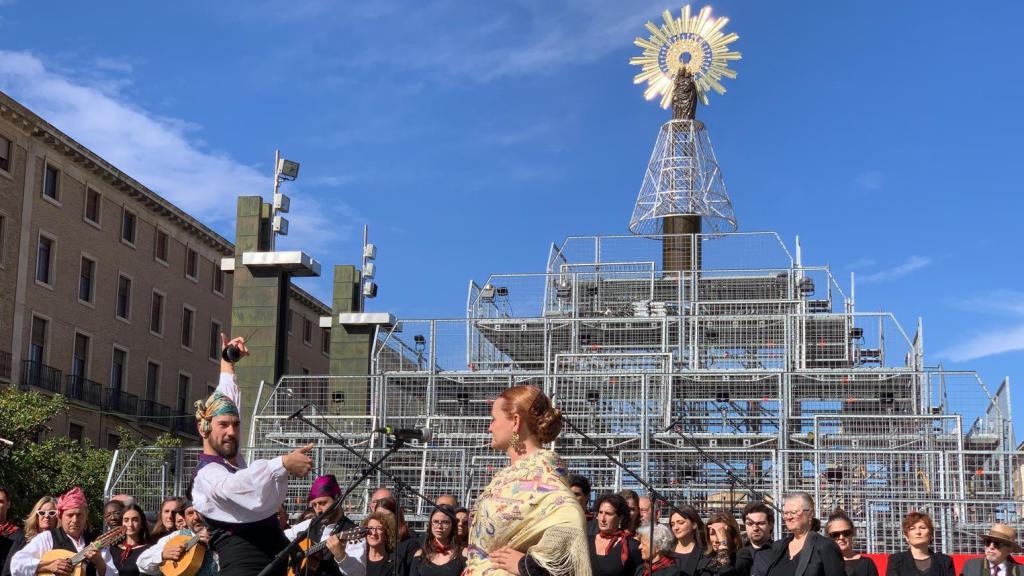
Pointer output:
184, 424
121, 402
40, 375
5, 365
155, 413
83, 389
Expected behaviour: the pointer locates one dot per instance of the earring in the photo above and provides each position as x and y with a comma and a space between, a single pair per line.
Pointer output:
517, 443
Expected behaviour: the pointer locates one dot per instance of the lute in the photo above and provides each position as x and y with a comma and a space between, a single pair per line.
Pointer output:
309, 555
77, 559
191, 559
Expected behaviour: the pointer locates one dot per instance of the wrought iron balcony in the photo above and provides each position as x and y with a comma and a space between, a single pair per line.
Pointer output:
83, 389
121, 402
40, 375
5, 365
184, 423
155, 413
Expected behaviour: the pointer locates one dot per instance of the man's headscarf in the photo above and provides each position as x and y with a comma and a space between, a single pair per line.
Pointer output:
325, 486
73, 498
216, 405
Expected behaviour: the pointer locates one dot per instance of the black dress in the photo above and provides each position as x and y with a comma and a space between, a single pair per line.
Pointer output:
688, 562
128, 566
860, 567
421, 566
611, 564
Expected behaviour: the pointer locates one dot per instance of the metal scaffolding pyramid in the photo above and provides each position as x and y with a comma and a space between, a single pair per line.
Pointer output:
682, 179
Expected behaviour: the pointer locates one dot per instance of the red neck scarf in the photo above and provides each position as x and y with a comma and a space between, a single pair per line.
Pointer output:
663, 562
614, 538
8, 528
126, 552
440, 548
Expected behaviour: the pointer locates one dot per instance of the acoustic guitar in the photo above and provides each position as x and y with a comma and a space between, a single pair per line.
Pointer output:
77, 559
191, 559
308, 557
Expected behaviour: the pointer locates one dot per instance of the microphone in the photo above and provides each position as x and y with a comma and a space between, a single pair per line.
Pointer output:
421, 434
297, 413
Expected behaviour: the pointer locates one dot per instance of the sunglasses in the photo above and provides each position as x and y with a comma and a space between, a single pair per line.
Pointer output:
46, 513
840, 534
995, 543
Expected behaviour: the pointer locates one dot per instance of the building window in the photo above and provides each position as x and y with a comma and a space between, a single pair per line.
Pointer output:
124, 297
93, 205
37, 343
76, 432
191, 264
118, 364
160, 246
152, 381
86, 280
113, 441
156, 314
80, 357
307, 330
184, 382
128, 221
325, 340
215, 329
5, 154
187, 324
218, 280
44, 260
51, 183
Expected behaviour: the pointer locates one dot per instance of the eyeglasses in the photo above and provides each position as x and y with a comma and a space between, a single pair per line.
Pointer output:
46, 513
840, 534
792, 513
375, 529
995, 543
760, 524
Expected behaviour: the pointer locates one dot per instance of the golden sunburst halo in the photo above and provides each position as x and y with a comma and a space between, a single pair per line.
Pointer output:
694, 41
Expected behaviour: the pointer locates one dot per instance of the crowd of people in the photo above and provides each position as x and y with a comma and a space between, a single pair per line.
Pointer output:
532, 519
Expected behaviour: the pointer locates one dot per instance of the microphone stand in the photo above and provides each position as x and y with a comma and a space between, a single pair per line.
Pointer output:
293, 546
655, 496
400, 485
676, 426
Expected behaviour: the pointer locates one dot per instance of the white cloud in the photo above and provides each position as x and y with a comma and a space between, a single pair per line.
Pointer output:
999, 341
995, 341
861, 263
910, 265
164, 154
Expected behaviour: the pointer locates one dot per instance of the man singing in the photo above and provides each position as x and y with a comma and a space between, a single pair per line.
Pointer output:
238, 502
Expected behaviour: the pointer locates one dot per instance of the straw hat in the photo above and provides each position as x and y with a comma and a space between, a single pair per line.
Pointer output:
1002, 533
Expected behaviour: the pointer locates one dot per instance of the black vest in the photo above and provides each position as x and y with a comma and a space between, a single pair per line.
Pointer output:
61, 541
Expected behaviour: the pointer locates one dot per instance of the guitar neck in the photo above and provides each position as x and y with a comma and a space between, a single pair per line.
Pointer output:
191, 543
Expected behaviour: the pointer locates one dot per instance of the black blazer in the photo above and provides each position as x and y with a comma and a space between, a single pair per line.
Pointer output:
902, 564
819, 557
980, 567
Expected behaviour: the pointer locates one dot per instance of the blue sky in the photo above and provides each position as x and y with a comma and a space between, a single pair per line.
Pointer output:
470, 135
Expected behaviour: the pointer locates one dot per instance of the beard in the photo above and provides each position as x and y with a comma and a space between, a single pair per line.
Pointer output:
226, 450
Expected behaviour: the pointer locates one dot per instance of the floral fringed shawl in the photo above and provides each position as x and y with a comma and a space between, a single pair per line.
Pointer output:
528, 507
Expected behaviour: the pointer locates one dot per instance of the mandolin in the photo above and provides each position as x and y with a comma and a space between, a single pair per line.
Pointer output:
310, 555
191, 560
77, 559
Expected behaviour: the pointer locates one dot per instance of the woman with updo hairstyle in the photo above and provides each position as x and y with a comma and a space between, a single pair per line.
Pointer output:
527, 521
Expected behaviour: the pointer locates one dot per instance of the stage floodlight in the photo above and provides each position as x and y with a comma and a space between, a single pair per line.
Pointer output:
288, 169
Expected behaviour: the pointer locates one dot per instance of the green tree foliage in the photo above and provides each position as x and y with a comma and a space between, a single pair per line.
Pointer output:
32, 469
